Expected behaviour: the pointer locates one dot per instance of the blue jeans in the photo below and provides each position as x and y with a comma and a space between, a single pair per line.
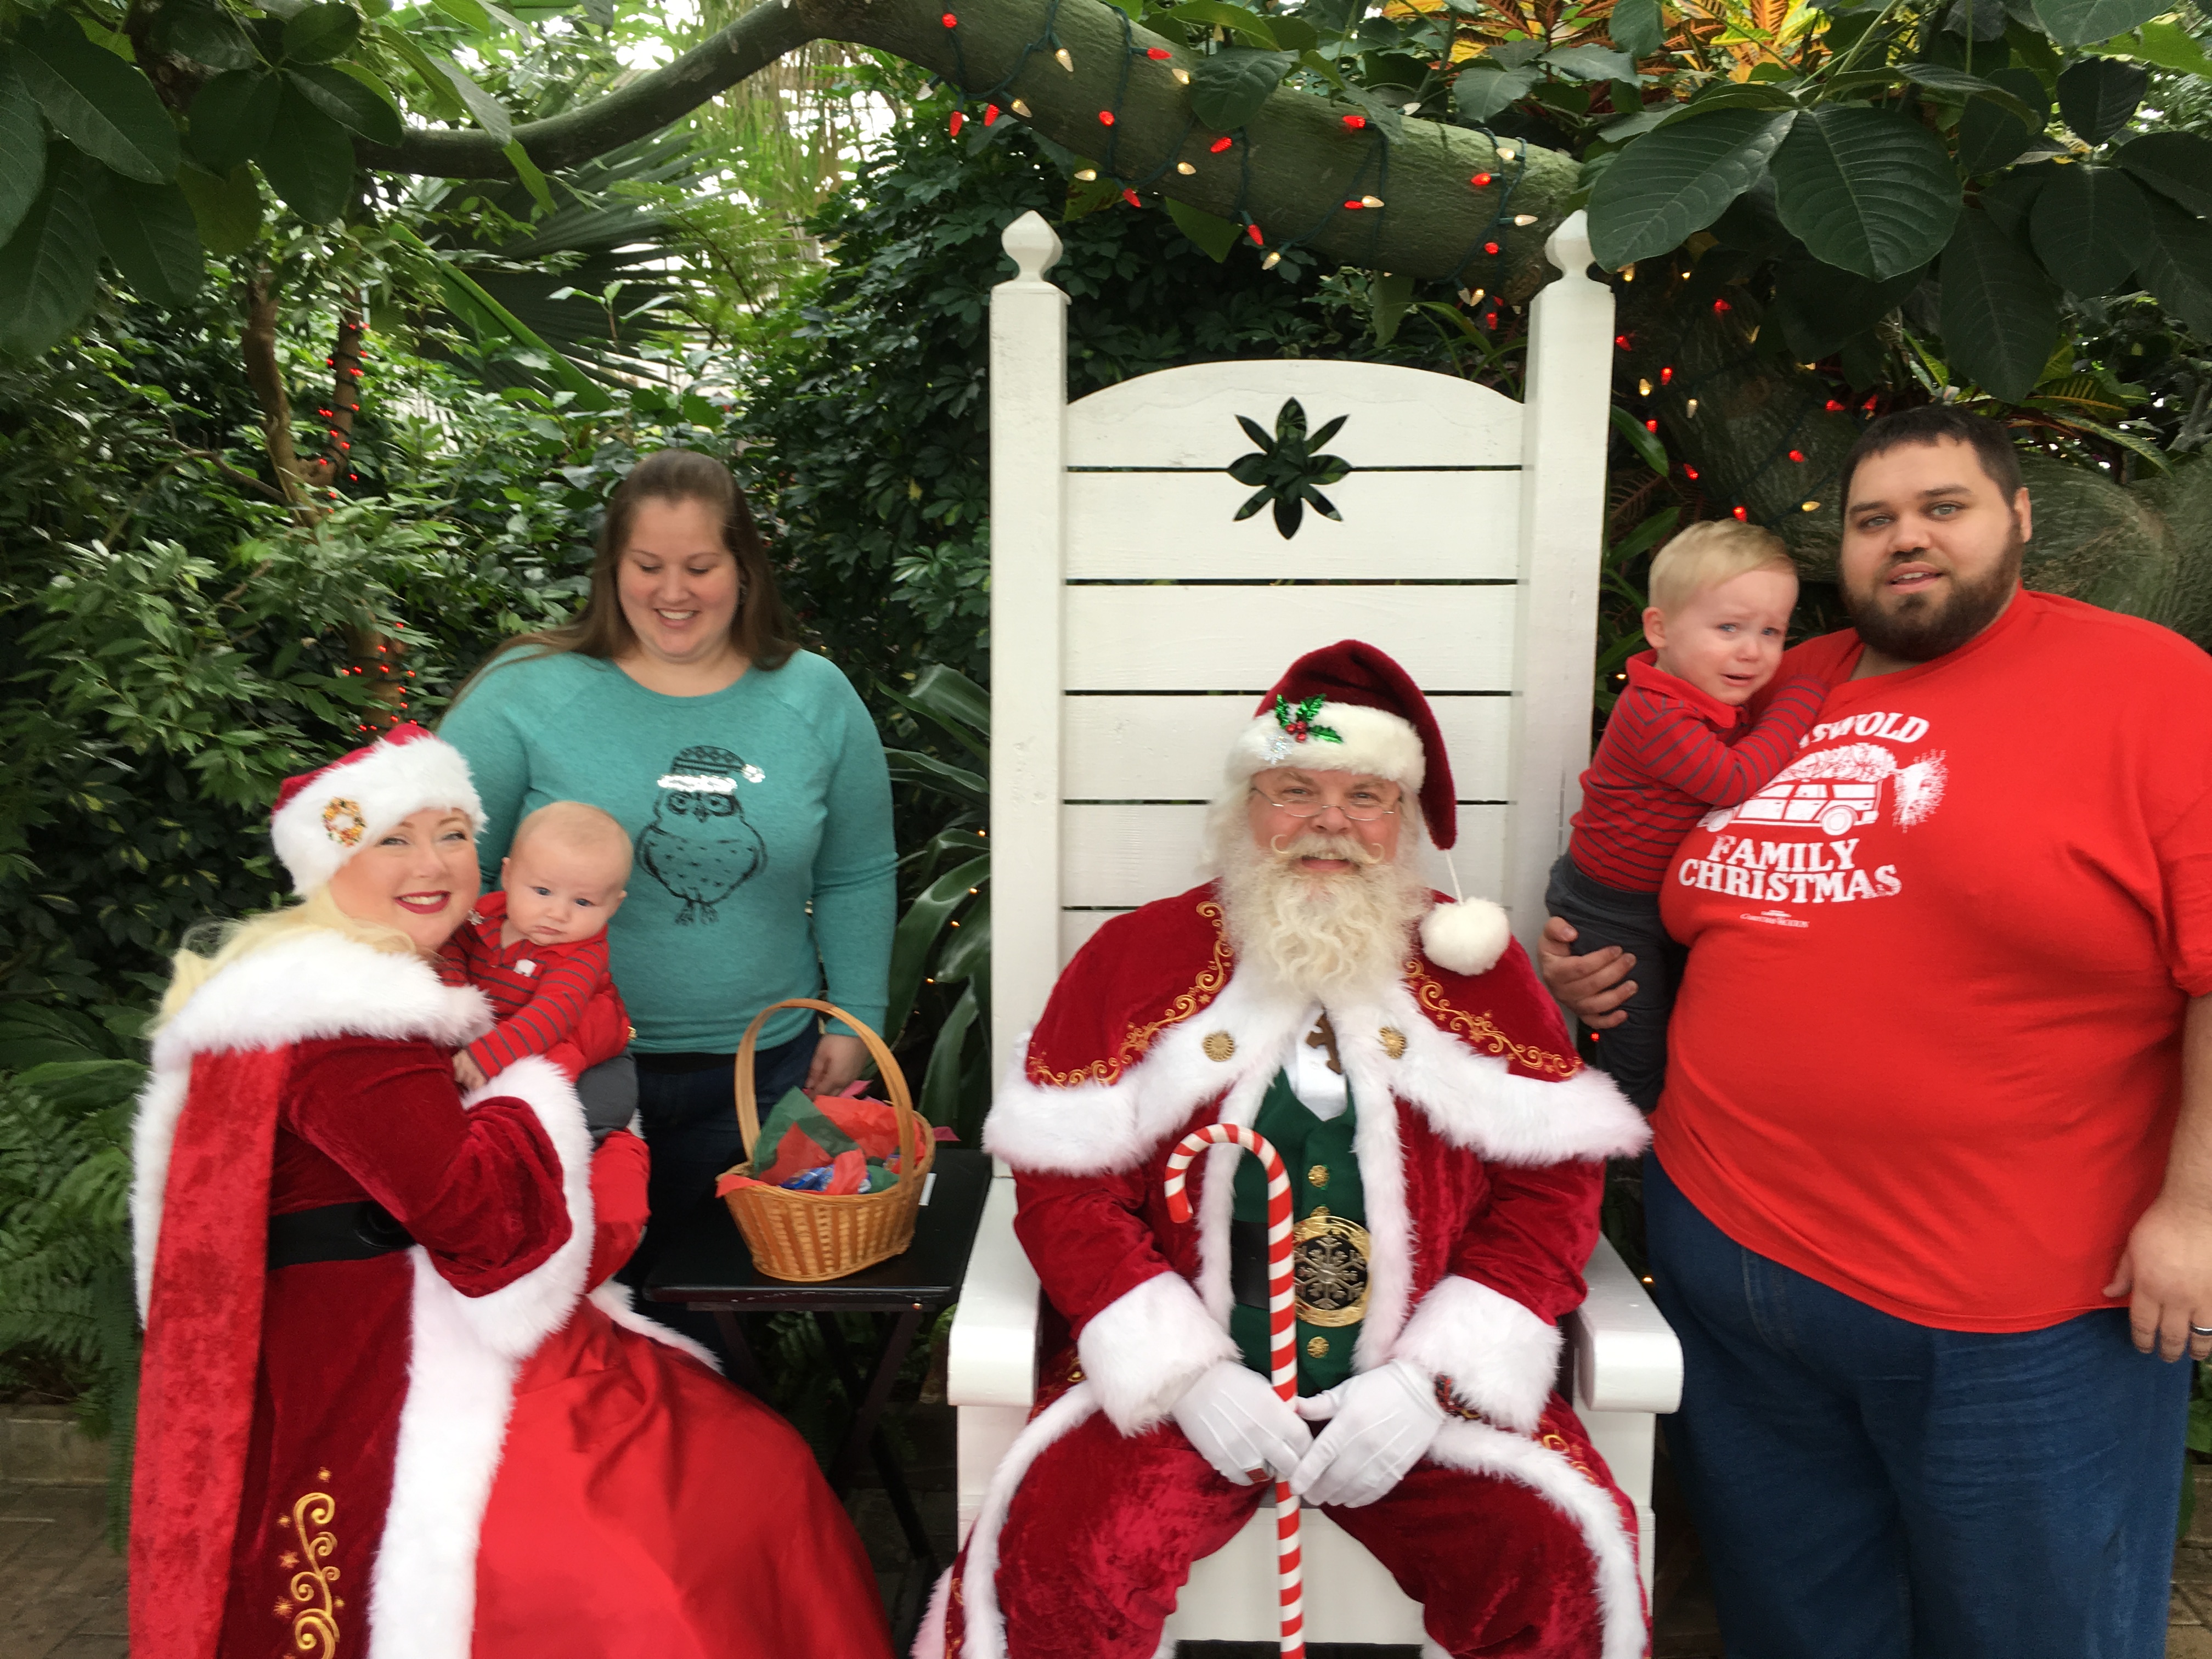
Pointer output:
1868, 1488
690, 1120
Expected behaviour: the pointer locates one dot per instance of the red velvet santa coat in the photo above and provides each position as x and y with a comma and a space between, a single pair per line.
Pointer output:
1482, 1179
321, 1448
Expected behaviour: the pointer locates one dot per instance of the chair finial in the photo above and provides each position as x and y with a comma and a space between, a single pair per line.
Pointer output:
1031, 243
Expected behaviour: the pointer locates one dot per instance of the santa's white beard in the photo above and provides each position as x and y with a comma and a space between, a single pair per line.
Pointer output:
1320, 934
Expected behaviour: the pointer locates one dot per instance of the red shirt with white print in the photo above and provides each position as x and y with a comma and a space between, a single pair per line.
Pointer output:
1928, 1047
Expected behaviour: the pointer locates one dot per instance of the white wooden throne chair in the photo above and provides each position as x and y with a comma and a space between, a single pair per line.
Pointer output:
1134, 623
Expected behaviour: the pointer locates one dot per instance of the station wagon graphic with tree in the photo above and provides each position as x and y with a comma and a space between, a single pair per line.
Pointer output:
1838, 790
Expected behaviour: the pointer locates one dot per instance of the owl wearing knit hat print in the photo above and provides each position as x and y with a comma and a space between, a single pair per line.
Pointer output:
699, 845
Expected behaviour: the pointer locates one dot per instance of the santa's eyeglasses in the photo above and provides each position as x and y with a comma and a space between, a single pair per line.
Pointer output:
1304, 804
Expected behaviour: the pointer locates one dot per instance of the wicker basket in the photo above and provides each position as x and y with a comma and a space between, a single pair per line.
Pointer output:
812, 1237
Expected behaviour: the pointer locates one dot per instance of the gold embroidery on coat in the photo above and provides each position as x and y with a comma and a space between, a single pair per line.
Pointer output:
1135, 1043
315, 1621
1480, 1030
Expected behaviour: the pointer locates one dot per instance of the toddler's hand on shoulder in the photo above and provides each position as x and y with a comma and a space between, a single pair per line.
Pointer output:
467, 1072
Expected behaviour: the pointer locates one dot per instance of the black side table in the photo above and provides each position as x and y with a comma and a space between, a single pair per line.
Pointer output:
707, 1267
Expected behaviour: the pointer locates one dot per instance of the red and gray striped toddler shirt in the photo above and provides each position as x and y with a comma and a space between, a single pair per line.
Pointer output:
1669, 755
538, 991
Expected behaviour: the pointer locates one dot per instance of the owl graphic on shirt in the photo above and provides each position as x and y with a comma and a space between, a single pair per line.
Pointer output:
700, 845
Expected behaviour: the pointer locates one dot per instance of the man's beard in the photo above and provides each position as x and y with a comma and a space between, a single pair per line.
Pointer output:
1922, 627
1317, 934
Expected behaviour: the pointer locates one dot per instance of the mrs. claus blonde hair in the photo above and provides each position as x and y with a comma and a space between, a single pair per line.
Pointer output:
231, 941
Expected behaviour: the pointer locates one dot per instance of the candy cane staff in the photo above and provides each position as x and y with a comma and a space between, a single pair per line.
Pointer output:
1445, 1153
1282, 1338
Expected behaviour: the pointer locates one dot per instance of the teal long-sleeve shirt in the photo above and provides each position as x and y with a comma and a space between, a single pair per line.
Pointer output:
745, 808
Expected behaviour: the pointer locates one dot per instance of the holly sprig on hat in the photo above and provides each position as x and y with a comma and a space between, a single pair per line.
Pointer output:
1297, 721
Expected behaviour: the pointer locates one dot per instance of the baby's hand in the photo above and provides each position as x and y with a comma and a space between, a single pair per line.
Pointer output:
470, 1074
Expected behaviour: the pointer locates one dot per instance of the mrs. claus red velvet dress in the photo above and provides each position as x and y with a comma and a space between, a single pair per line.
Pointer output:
1479, 1143
448, 1450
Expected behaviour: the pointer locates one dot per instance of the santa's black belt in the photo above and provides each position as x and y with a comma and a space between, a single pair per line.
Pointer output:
1247, 1263
335, 1233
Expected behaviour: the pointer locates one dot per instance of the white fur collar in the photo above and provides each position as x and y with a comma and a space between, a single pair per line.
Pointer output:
1471, 1098
320, 984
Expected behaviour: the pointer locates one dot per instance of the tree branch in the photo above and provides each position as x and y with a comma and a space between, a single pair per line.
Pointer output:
1290, 172
619, 118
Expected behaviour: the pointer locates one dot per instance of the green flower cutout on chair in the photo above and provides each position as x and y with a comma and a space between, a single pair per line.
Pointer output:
1286, 471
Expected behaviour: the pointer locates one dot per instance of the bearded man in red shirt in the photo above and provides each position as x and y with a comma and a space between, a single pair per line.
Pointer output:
1931, 1193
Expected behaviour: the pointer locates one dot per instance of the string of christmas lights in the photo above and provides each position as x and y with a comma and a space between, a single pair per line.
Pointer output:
997, 100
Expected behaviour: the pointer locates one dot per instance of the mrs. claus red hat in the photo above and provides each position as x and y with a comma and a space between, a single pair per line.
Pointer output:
325, 817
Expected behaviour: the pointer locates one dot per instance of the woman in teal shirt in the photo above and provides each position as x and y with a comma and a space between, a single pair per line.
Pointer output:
753, 786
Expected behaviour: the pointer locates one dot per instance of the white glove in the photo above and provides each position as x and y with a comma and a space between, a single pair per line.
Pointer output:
1383, 1421
1233, 1417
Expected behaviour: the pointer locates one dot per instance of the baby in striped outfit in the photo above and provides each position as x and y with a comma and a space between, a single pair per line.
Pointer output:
537, 948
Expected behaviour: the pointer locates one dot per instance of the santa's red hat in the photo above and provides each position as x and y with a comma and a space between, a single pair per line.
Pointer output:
1350, 707
323, 818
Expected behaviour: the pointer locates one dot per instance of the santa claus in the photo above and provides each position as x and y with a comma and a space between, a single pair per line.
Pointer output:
378, 1413
1445, 1149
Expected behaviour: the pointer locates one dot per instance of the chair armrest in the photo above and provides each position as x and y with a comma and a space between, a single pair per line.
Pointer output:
1626, 1356
993, 1353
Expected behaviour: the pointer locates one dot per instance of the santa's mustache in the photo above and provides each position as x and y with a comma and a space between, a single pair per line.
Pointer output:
1316, 844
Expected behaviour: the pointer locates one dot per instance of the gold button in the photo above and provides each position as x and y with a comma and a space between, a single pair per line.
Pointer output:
1393, 1041
1317, 1348
1318, 1175
1218, 1045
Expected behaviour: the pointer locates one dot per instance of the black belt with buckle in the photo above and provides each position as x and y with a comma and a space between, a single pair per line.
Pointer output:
335, 1233
1329, 1266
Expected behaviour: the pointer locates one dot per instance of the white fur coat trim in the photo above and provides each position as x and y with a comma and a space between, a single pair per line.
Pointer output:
460, 1389
1143, 1349
619, 1302
1501, 1358
1471, 1098
318, 984
1619, 1585
985, 1630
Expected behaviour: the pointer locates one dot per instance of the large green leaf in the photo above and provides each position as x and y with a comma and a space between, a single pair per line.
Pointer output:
150, 233
1865, 189
1638, 27
1591, 64
491, 114
1210, 231
2099, 94
2177, 165
1938, 77
2008, 198
2176, 261
101, 104
1483, 90
2087, 225
232, 116
206, 35
2078, 22
50, 268
317, 33
915, 938
2000, 312
228, 208
22, 148
348, 101
307, 158
1820, 307
1674, 182
1227, 89
1991, 134
939, 1099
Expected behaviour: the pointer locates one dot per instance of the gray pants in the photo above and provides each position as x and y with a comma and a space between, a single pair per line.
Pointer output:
1633, 1052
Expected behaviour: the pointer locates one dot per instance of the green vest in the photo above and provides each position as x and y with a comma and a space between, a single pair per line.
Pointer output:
1324, 1183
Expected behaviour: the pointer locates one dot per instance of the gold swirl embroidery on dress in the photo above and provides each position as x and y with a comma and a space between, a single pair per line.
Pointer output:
1558, 1442
312, 1605
1203, 990
1481, 1031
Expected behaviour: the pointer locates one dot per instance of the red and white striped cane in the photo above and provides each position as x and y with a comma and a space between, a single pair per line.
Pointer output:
1282, 1338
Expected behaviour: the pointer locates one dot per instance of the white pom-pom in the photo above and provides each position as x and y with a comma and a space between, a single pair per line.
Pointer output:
1467, 937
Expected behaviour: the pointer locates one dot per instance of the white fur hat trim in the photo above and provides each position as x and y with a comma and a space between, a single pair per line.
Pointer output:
345, 807
1374, 740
